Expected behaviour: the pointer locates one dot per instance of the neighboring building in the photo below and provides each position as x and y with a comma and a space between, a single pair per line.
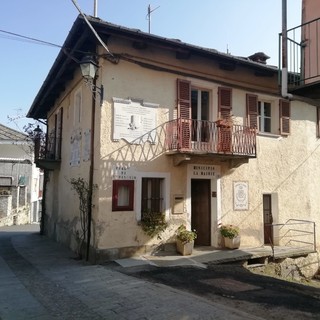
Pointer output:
156, 143
20, 180
303, 56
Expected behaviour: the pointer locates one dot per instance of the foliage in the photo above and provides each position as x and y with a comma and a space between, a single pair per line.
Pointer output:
229, 231
226, 122
185, 235
84, 191
153, 223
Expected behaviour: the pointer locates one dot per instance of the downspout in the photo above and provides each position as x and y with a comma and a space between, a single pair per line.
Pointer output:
45, 190
284, 73
91, 169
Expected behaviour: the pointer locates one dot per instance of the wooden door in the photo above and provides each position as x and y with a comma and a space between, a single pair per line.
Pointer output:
267, 219
201, 210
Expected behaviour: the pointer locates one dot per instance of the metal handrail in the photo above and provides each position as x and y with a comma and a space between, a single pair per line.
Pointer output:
291, 222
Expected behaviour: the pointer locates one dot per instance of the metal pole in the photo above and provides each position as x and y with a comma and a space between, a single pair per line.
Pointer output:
284, 34
95, 9
149, 18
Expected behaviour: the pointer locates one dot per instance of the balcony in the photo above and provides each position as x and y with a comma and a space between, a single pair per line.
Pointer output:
199, 137
48, 153
303, 59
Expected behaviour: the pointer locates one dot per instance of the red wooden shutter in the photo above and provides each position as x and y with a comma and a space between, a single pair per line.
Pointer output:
318, 122
252, 110
224, 102
184, 112
284, 117
59, 133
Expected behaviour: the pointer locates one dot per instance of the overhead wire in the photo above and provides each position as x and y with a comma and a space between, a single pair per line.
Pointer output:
19, 37
13, 36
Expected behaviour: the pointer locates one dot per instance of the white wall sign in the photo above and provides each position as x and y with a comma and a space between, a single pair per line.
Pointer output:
240, 195
133, 120
86, 145
75, 143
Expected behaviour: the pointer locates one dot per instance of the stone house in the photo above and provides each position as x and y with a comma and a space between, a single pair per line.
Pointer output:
20, 180
201, 136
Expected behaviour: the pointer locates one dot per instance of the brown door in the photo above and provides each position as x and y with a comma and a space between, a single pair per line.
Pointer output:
267, 219
200, 210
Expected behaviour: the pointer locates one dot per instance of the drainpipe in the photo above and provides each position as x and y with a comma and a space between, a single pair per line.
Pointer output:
284, 73
91, 169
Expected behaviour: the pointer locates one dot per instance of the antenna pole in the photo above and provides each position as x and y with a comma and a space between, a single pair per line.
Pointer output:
149, 16
95, 8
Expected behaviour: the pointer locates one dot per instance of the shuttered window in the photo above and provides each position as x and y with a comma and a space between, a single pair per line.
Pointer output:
318, 122
58, 133
184, 99
252, 110
184, 112
224, 102
284, 113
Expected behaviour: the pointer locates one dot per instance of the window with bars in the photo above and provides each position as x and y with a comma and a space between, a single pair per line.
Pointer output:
152, 195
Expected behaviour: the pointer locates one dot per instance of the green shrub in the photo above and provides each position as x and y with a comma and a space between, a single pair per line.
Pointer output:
229, 231
185, 235
153, 223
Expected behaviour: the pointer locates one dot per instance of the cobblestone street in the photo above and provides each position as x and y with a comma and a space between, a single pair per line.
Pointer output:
40, 279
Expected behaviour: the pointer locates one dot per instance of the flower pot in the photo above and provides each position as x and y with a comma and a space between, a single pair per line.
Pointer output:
233, 243
185, 248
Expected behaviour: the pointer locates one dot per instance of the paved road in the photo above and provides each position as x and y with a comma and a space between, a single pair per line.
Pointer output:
40, 279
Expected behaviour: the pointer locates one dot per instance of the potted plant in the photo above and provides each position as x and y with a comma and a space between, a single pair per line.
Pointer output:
226, 121
185, 240
231, 236
225, 129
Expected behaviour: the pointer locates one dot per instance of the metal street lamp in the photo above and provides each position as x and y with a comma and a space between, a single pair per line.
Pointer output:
89, 68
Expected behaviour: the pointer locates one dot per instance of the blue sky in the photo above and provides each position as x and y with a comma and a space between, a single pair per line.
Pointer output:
242, 26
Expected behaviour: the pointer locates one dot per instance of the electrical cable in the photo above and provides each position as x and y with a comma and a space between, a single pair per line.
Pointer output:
27, 39
19, 37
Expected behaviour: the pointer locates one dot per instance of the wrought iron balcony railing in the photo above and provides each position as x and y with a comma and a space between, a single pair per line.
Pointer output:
303, 54
199, 136
47, 152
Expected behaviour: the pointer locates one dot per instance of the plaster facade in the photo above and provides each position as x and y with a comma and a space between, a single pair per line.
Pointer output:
285, 170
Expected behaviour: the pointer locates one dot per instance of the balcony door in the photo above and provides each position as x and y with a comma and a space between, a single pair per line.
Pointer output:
200, 115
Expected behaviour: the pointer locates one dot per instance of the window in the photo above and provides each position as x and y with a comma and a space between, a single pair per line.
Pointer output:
264, 116
77, 107
199, 104
122, 195
200, 114
152, 195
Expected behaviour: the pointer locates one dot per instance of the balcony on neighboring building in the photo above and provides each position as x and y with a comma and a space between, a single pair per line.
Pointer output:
199, 137
48, 153
303, 59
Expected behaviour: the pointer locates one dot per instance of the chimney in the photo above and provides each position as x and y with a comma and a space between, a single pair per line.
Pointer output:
259, 57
